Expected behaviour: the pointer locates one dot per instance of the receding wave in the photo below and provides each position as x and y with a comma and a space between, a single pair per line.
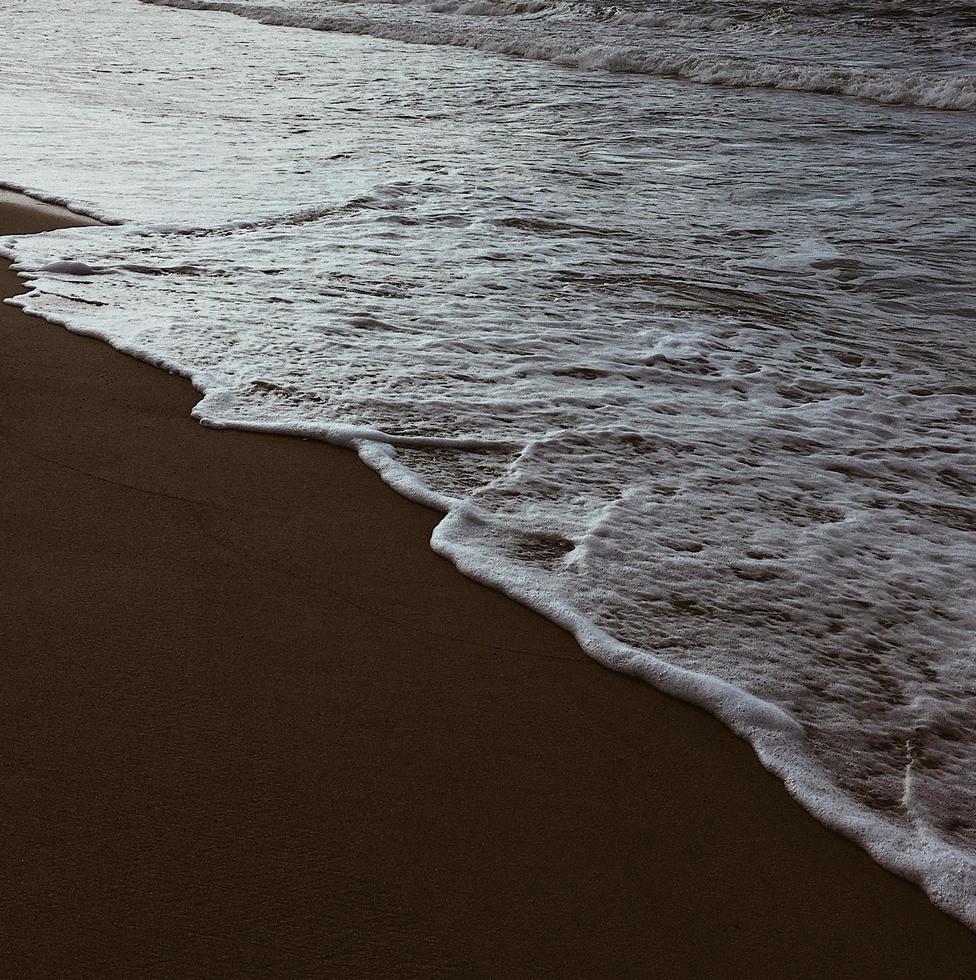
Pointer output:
890, 87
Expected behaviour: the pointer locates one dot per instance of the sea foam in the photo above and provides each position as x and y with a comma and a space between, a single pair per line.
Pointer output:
687, 368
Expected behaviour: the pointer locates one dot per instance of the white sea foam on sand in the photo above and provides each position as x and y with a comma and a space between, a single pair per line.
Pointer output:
689, 368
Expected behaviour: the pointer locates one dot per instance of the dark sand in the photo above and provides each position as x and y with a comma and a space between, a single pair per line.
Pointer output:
253, 726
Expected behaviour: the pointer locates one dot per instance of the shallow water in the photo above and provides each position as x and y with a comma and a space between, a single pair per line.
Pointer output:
890, 52
689, 367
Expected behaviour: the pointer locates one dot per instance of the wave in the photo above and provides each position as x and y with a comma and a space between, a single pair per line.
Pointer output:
930, 90
485, 8
719, 423
466, 536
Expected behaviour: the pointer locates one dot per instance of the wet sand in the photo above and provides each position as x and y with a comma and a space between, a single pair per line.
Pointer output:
253, 727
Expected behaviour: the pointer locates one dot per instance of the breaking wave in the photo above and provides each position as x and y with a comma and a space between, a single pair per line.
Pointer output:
579, 45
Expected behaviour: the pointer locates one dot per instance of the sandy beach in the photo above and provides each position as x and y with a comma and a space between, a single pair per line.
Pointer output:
253, 726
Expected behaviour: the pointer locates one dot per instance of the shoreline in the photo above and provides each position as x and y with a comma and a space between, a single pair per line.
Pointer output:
251, 732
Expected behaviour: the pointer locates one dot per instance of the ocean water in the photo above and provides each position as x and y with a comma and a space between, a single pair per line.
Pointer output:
668, 306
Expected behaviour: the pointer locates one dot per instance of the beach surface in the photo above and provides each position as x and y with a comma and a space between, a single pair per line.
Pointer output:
253, 726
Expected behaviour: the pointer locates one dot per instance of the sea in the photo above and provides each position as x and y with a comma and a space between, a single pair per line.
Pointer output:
667, 305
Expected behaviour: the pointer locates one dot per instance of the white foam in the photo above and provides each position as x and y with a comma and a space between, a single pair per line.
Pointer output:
689, 369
